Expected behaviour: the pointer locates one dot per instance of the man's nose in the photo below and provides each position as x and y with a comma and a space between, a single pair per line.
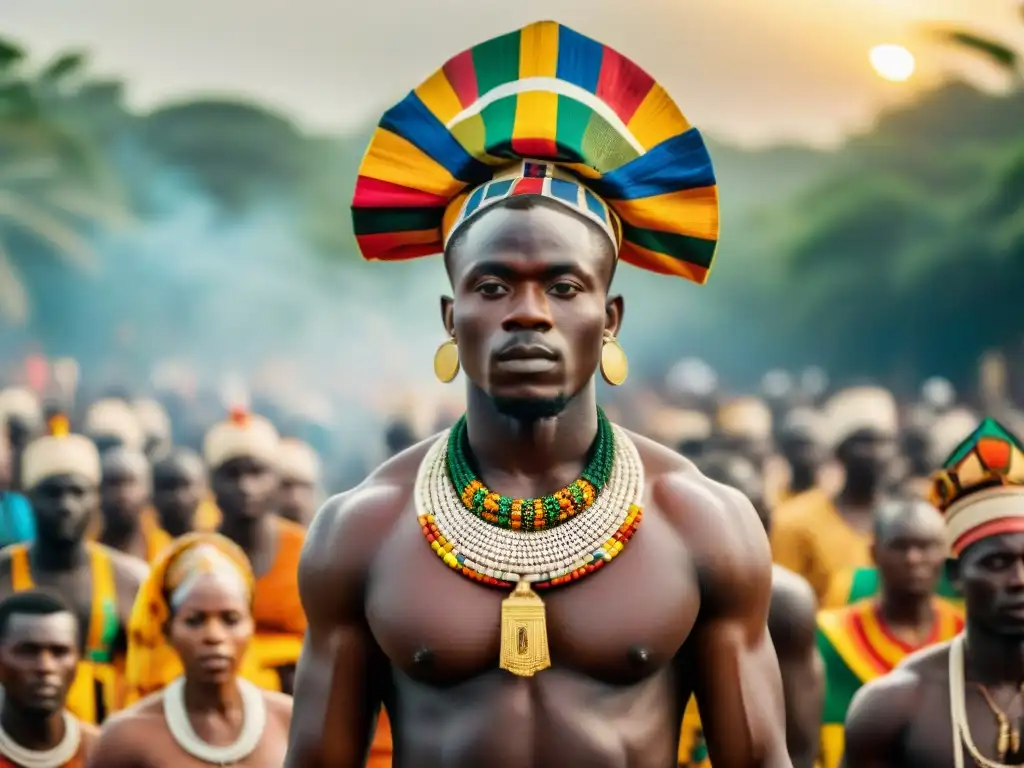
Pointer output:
530, 310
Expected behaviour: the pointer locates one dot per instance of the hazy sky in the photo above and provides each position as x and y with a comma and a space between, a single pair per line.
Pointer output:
753, 70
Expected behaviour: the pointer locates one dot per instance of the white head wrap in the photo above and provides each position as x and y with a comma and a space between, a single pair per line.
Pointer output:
60, 453
18, 402
860, 408
297, 461
243, 435
111, 417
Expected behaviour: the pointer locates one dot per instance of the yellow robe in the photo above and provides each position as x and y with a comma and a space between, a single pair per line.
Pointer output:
810, 538
157, 539
96, 690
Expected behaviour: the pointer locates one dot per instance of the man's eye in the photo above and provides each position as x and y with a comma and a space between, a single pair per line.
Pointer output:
565, 289
491, 289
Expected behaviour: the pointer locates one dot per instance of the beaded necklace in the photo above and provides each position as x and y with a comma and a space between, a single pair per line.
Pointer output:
544, 556
531, 514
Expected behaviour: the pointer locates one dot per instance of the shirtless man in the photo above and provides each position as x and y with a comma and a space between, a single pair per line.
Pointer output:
905, 717
61, 474
38, 654
791, 620
128, 521
595, 671
179, 488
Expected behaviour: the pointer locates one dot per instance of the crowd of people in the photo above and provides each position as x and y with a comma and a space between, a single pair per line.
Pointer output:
130, 560
802, 577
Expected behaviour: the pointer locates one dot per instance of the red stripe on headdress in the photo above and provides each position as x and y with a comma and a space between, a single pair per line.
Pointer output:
991, 528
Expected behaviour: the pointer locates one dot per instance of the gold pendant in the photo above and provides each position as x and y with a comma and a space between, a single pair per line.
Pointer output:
524, 632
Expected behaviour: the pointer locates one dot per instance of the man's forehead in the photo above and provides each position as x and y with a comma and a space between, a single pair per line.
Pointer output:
528, 238
59, 627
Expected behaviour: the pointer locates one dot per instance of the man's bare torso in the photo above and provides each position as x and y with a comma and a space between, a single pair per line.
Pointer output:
621, 668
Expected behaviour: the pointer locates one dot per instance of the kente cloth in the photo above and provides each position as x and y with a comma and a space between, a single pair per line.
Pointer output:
810, 538
693, 749
280, 620
151, 661
541, 111
855, 584
856, 647
980, 489
97, 690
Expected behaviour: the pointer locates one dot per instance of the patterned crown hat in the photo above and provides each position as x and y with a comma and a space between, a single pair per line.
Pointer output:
542, 111
980, 490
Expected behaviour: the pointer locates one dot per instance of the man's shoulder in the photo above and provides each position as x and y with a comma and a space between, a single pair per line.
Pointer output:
793, 601
889, 702
358, 520
128, 569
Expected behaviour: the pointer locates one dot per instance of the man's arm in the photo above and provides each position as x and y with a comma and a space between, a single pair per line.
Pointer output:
337, 693
122, 744
876, 720
737, 681
791, 622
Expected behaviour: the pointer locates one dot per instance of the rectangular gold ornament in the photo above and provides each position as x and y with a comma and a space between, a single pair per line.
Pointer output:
524, 632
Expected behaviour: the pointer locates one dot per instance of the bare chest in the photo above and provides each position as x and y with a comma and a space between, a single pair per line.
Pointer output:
929, 740
165, 752
619, 624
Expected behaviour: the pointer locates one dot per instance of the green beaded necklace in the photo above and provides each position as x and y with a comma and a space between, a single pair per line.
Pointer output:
530, 514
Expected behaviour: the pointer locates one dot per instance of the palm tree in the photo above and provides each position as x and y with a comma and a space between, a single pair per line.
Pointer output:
996, 51
53, 189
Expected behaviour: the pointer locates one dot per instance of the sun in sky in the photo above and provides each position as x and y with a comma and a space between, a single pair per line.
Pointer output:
892, 62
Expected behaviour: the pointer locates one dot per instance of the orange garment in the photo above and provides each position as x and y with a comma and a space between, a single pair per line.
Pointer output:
157, 539
280, 620
380, 749
810, 538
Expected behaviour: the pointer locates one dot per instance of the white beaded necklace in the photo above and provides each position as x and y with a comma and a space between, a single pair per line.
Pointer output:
511, 555
958, 710
254, 719
50, 758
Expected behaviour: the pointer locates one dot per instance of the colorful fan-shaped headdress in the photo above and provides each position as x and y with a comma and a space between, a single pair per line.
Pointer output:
541, 111
981, 487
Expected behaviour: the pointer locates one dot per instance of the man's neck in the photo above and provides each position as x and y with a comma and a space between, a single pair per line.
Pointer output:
902, 611
55, 557
30, 730
860, 497
992, 659
124, 534
530, 459
256, 536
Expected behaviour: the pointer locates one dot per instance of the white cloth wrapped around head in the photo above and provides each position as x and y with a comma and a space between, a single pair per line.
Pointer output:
20, 403
114, 418
60, 453
298, 462
861, 409
745, 417
152, 418
672, 426
244, 435
203, 561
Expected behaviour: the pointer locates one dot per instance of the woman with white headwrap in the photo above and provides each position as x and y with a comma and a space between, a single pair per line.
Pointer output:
192, 622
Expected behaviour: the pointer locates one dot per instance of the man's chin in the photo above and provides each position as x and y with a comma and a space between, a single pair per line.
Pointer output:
530, 409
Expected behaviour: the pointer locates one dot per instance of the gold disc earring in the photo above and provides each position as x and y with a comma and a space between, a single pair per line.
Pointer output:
446, 361
614, 364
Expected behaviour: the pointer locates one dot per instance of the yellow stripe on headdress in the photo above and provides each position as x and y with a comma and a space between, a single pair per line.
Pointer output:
151, 662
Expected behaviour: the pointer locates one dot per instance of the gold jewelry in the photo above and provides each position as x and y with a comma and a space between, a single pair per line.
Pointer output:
446, 361
1008, 739
614, 365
